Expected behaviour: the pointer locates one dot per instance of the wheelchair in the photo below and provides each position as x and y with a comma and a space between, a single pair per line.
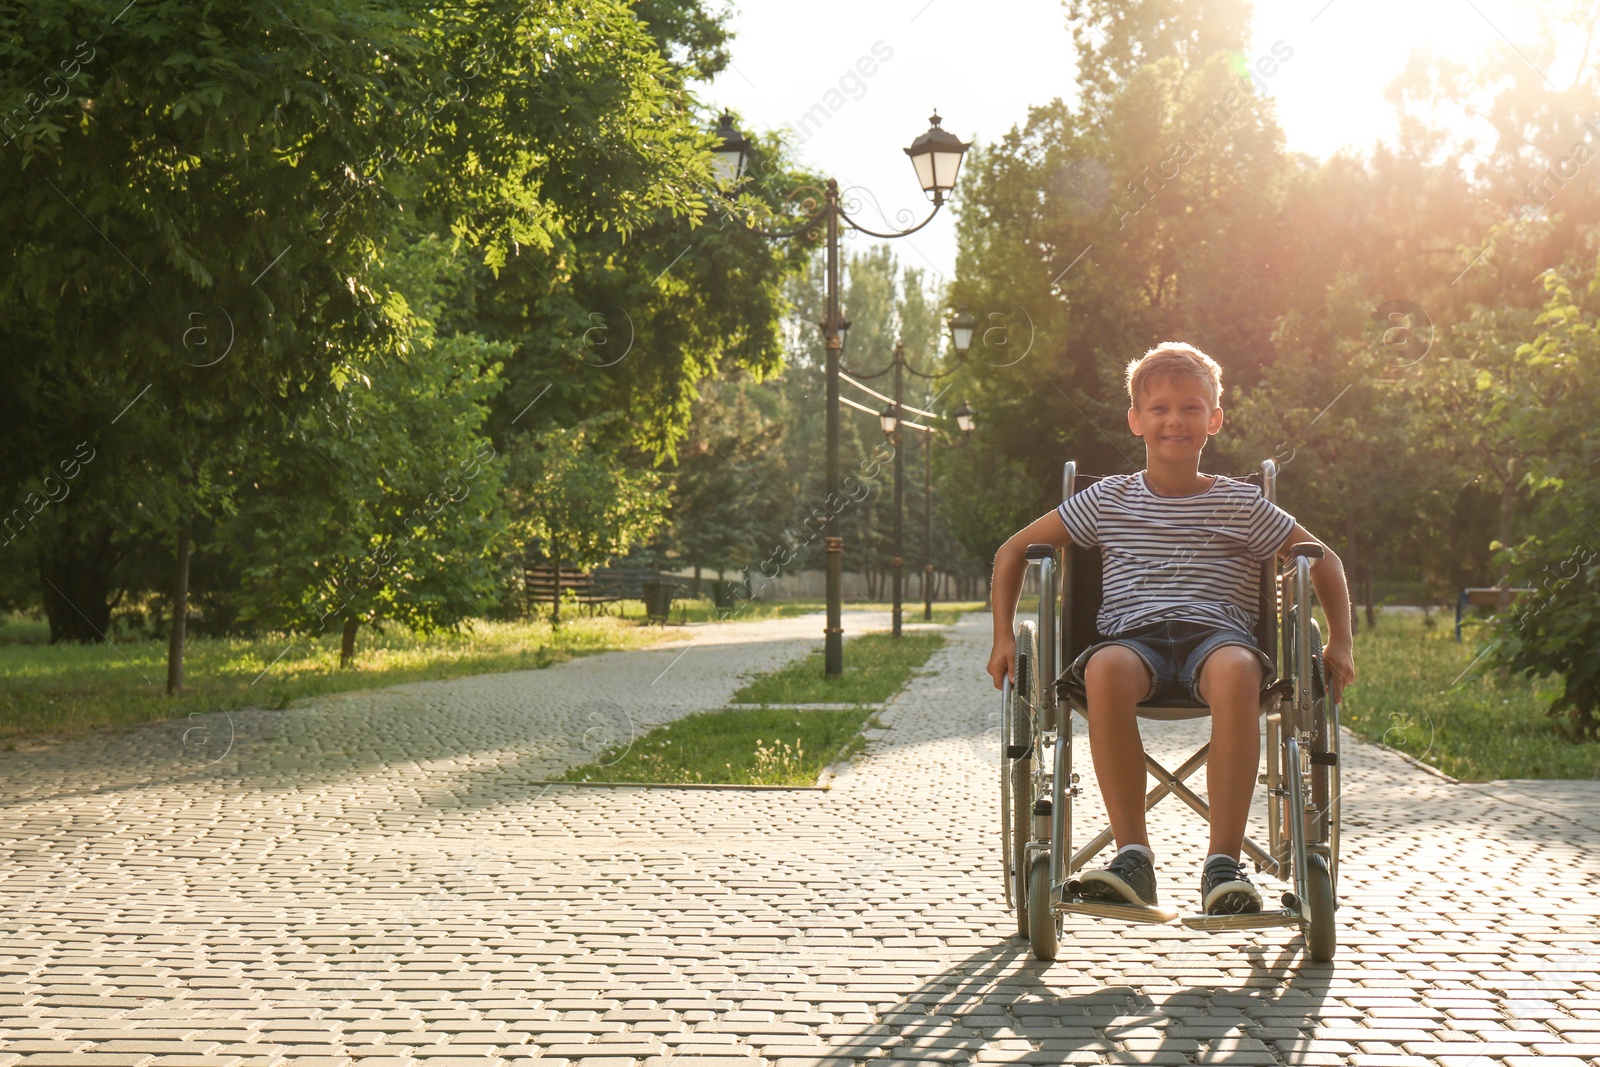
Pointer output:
1038, 784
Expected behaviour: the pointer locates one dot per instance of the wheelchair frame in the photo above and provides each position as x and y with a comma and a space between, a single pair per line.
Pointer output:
1037, 782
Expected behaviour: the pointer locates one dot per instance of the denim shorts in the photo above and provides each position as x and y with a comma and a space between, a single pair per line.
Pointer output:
1174, 651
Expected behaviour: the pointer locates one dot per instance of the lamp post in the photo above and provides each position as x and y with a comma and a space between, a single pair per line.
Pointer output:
966, 422
936, 156
892, 418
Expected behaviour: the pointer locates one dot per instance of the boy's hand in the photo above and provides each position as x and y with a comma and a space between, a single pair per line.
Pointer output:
1003, 659
1339, 666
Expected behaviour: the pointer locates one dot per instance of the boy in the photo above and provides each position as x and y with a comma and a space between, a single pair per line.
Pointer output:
1180, 553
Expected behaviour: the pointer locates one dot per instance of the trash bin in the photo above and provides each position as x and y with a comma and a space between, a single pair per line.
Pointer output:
657, 601
722, 594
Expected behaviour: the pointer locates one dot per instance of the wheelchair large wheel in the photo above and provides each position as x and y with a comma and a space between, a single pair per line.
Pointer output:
1324, 825
1322, 939
1044, 922
1008, 825
1016, 770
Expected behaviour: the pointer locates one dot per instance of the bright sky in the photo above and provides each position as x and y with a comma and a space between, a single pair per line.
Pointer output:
983, 65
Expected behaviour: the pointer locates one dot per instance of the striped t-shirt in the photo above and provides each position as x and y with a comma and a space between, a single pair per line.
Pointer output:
1176, 557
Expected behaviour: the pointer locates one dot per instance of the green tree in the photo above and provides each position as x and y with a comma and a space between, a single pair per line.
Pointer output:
576, 501
729, 486
1146, 211
380, 503
1338, 414
233, 163
141, 160
636, 326
1556, 629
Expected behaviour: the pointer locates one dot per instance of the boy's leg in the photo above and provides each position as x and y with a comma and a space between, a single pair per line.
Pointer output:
1230, 682
1115, 680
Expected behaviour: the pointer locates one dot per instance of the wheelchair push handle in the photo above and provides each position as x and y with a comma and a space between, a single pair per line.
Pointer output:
1309, 549
1041, 551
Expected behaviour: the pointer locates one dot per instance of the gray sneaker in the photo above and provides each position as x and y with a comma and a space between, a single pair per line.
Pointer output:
1129, 878
1226, 890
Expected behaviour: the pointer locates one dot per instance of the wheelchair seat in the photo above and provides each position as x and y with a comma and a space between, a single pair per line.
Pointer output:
1165, 709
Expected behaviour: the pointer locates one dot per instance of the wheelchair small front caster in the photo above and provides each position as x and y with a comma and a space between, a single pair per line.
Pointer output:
1321, 937
1044, 922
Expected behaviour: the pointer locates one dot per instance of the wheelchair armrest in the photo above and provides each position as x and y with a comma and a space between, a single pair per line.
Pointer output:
1309, 549
1041, 551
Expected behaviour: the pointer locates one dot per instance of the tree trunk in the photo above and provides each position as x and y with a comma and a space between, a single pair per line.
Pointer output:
529, 605
75, 582
1366, 590
1508, 498
180, 603
1353, 563
555, 607
697, 579
347, 641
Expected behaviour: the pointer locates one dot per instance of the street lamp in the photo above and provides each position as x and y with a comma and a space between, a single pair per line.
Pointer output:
892, 418
936, 156
966, 422
962, 326
731, 154
966, 418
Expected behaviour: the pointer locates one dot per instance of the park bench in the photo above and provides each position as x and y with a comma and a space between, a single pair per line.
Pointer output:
1479, 596
539, 584
605, 585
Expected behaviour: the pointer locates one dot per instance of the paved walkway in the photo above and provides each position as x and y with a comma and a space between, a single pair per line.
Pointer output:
373, 880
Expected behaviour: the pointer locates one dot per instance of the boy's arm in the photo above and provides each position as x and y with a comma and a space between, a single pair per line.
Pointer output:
1327, 578
1009, 564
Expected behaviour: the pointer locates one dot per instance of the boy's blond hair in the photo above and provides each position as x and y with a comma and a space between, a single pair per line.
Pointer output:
1174, 359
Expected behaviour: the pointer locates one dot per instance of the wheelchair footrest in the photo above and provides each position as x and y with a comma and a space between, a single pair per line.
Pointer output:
1133, 913
1213, 924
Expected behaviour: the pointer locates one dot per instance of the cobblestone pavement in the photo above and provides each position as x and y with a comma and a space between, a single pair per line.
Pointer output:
373, 880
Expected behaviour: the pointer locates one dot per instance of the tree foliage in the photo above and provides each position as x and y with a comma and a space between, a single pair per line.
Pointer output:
571, 502
1556, 629
242, 234
378, 503
1373, 312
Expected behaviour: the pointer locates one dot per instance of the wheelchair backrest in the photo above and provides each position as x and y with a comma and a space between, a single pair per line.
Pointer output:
1081, 594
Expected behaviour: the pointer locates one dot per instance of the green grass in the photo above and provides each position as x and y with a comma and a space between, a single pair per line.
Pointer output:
875, 667
765, 746
776, 746
51, 693
1475, 729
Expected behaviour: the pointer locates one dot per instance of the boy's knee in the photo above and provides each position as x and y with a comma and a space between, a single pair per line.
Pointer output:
1117, 665
1234, 660
1232, 666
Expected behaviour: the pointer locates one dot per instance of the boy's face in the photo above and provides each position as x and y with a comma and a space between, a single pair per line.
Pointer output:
1175, 417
